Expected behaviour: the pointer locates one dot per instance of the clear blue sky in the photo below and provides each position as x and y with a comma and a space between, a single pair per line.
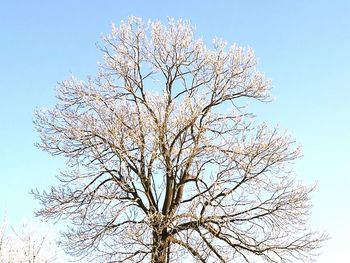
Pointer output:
303, 46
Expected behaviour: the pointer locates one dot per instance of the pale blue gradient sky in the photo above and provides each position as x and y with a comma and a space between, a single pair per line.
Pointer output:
303, 46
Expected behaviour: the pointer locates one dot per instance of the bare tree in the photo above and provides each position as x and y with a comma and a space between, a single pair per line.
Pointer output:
165, 162
25, 246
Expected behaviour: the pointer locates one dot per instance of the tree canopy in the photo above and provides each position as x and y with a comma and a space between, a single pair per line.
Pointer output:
165, 163
25, 245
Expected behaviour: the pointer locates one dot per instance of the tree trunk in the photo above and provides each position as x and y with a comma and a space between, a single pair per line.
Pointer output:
160, 247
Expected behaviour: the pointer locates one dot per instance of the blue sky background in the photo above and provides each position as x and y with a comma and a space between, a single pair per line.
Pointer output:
303, 46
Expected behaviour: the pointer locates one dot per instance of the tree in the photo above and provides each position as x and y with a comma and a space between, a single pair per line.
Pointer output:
25, 246
165, 161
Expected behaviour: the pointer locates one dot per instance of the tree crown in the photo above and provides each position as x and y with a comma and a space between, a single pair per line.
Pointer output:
165, 162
